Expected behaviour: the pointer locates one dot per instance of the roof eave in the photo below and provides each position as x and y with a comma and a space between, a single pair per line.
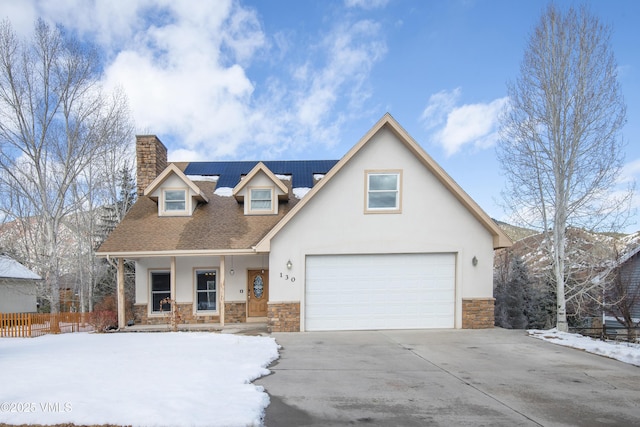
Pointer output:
176, 253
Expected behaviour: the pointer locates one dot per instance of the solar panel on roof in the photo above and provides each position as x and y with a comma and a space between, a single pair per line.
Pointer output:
229, 173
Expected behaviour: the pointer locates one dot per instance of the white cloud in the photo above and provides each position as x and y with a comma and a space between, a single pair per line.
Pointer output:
438, 107
351, 51
366, 4
182, 73
300, 110
186, 67
456, 126
629, 172
21, 14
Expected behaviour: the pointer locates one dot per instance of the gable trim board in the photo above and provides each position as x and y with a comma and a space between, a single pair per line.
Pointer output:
260, 167
412, 269
173, 169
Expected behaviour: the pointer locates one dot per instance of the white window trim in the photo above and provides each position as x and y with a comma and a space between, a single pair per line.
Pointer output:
197, 270
151, 311
163, 203
252, 211
392, 210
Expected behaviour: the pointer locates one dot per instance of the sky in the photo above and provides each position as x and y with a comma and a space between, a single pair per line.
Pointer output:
262, 80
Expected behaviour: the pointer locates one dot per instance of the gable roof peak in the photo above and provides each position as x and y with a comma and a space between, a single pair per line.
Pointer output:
500, 239
259, 167
172, 169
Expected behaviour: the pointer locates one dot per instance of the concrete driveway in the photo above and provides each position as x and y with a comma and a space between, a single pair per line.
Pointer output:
490, 377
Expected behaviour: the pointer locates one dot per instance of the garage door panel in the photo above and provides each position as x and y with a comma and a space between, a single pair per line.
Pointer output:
380, 291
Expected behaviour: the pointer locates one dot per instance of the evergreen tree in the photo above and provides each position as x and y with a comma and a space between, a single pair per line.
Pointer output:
517, 297
512, 293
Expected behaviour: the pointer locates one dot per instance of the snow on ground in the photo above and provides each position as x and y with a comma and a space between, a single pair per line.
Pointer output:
622, 351
150, 379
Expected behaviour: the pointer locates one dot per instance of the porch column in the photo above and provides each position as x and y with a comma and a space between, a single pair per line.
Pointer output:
221, 293
120, 291
172, 283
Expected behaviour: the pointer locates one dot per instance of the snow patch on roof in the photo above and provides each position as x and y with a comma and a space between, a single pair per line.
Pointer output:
283, 177
300, 192
224, 192
11, 268
318, 176
206, 178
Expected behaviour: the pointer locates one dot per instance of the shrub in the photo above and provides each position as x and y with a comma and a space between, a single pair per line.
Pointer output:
104, 320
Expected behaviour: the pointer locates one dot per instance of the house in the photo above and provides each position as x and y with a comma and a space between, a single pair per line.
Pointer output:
380, 239
17, 287
622, 299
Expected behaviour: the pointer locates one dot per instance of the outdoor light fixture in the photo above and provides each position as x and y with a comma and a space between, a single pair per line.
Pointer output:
232, 272
289, 265
474, 261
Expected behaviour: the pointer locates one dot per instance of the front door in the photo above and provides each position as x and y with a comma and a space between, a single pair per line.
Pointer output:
257, 293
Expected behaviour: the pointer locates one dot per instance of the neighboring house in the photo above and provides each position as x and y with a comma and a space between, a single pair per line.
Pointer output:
17, 287
627, 287
381, 239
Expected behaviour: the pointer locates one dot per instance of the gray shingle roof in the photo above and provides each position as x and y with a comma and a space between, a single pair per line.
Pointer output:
218, 225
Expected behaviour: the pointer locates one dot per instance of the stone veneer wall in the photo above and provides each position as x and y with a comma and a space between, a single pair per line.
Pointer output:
235, 312
151, 159
478, 313
185, 311
283, 317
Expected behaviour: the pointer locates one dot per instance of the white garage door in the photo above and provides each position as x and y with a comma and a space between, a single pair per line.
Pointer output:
399, 291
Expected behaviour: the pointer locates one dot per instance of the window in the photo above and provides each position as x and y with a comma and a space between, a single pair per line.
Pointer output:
160, 290
383, 192
261, 200
175, 200
206, 298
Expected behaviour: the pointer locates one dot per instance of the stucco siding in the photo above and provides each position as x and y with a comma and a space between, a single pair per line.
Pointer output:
432, 220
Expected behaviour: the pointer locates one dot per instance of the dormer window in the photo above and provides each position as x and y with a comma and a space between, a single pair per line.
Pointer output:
175, 201
175, 194
260, 191
261, 200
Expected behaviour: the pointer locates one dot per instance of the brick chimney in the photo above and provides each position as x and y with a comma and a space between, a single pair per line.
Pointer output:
151, 157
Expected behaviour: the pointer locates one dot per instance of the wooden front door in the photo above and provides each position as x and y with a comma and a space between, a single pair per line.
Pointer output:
257, 293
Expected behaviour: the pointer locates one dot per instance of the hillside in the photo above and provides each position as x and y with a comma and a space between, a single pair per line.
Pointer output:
514, 232
585, 249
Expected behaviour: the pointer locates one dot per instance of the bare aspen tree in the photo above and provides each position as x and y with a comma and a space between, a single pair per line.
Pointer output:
55, 124
561, 148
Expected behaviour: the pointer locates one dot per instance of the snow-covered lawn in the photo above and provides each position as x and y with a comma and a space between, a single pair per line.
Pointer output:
140, 379
622, 351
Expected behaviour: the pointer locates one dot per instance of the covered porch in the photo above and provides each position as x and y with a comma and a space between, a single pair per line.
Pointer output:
203, 290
